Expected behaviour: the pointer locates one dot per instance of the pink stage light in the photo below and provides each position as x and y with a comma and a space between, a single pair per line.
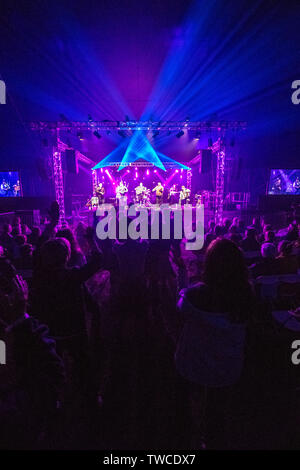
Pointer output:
148, 172
109, 175
171, 177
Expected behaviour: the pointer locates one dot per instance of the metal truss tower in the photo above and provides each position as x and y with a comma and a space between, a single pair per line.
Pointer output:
219, 148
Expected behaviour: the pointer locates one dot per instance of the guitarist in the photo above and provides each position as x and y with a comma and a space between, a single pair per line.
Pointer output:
100, 191
159, 192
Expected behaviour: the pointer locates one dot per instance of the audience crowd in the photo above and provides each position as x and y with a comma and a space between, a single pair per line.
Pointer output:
141, 344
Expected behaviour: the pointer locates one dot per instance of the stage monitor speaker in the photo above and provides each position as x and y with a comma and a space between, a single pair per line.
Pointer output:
70, 158
205, 161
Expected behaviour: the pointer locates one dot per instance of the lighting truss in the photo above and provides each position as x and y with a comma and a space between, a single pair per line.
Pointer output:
59, 184
140, 164
203, 126
189, 179
95, 181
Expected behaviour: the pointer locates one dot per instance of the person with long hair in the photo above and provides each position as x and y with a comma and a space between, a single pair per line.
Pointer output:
211, 346
77, 258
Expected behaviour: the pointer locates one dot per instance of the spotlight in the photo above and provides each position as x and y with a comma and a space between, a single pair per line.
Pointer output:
90, 119
80, 136
180, 134
155, 133
122, 133
197, 136
96, 134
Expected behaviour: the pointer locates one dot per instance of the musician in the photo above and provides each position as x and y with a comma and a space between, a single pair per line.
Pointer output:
159, 192
139, 192
5, 188
17, 189
121, 191
198, 198
277, 186
296, 185
172, 194
92, 203
100, 191
184, 196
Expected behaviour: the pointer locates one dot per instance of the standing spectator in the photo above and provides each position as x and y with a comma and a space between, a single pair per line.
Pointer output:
77, 258
250, 243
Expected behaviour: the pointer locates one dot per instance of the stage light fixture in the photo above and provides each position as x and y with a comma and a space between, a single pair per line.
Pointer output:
179, 134
80, 136
155, 133
122, 133
108, 132
96, 134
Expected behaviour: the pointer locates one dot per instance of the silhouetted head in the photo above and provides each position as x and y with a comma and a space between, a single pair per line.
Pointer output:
36, 232
68, 234
7, 228
218, 230
55, 253
268, 250
226, 275
251, 233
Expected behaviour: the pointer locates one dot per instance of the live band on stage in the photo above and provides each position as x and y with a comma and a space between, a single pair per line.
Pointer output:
142, 195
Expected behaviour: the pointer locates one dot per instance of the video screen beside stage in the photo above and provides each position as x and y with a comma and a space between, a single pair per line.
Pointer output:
10, 185
284, 182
